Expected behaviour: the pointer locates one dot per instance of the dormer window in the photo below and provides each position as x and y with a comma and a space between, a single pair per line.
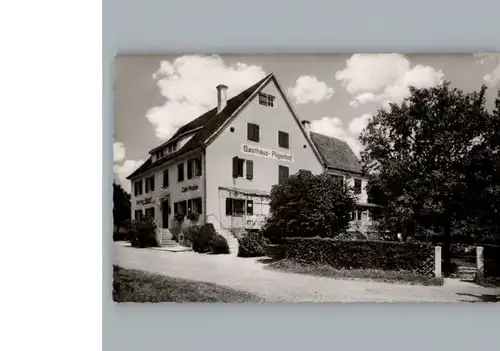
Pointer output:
266, 100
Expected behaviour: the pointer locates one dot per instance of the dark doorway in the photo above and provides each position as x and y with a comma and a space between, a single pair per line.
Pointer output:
164, 213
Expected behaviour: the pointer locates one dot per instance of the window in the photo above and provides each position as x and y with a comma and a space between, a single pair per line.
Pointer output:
180, 172
249, 207
150, 212
138, 188
357, 186
194, 205
253, 132
138, 214
283, 139
282, 174
238, 165
365, 216
180, 207
352, 216
165, 178
194, 168
249, 169
266, 99
236, 207
150, 184
359, 215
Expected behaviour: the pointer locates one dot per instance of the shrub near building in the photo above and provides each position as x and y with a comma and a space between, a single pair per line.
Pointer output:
307, 205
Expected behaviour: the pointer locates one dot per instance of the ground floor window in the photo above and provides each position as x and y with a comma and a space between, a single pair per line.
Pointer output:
150, 212
194, 205
138, 214
238, 207
180, 207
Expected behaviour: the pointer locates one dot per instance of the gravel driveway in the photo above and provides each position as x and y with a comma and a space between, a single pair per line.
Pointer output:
250, 275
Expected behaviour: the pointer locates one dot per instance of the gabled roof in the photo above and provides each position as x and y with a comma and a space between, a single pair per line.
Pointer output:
336, 153
210, 122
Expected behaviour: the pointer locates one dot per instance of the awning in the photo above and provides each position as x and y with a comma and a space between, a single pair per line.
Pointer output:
248, 192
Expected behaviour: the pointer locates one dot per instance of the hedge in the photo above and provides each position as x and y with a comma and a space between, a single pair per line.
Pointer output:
253, 244
491, 256
363, 254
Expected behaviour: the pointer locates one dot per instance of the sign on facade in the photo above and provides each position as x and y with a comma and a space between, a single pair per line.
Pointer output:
189, 188
146, 201
258, 151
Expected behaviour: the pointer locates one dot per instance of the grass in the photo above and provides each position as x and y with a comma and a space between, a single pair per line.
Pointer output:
371, 274
137, 286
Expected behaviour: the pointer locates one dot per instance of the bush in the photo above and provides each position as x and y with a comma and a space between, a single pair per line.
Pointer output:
253, 244
308, 205
201, 243
353, 254
192, 233
275, 251
142, 233
219, 245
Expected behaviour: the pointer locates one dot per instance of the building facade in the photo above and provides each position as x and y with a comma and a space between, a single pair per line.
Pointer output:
220, 167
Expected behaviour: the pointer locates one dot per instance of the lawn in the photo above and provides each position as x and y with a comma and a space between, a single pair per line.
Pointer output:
137, 286
371, 274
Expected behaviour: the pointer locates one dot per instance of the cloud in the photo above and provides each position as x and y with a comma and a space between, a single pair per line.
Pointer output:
310, 89
123, 168
188, 85
384, 78
118, 151
492, 78
359, 123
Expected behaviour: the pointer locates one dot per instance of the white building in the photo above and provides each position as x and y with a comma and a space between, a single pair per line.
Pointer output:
223, 164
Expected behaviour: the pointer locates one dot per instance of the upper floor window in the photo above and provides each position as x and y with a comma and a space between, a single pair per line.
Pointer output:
357, 186
180, 172
283, 139
253, 132
266, 99
165, 178
194, 168
239, 168
138, 188
150, 184
236, 207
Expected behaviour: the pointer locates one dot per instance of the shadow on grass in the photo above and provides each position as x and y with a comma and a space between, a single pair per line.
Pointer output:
481, 297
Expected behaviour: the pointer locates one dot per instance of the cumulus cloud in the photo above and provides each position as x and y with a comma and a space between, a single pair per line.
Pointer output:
310, 89
188, 85
384, 78
333, 126
123, 168
491, 78
118, 151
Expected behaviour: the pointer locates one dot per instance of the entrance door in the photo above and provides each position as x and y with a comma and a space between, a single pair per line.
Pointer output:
164, 213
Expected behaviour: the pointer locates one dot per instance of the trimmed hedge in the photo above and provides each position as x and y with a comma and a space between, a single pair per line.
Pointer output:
205, 235
491, 256
253, 244
357, 254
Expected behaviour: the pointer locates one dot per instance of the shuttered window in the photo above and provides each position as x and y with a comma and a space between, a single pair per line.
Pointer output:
229, 206
357, 186
249, 207
249, 169
165, 178
238, 165
180, 172
283, 139
190, 165
253, 132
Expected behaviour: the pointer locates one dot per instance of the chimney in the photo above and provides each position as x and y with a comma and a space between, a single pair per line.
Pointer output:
221, 97
307, 126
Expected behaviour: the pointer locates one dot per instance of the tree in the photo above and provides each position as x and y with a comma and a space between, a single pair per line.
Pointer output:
307, 205
121, 206
424, 157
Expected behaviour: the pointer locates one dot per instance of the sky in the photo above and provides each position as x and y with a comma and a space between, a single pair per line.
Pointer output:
154, 95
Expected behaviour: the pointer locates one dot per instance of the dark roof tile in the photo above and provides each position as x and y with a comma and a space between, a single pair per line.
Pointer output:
336, 153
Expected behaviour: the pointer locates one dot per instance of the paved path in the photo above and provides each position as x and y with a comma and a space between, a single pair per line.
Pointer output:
250, 275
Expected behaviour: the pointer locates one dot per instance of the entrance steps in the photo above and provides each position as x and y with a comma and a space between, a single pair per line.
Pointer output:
166, 238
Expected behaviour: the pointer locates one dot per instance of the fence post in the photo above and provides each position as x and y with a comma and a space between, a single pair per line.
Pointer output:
479, 261
437, 261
